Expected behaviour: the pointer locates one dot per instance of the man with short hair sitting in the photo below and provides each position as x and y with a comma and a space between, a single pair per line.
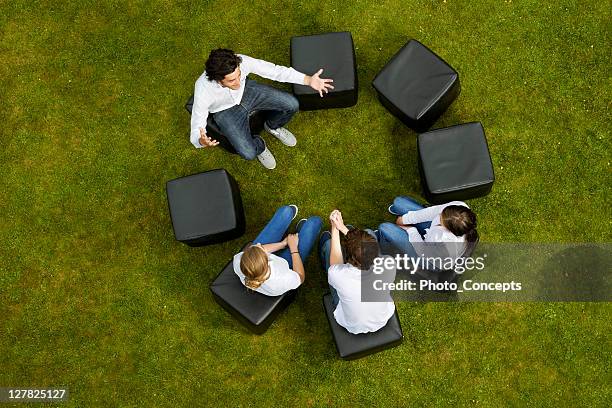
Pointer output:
348, 279
224, 91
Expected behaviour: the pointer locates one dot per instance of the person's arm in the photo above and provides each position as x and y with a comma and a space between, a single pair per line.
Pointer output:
298, 266
337, 226
427, 213
281, 73
199, 118
276, 246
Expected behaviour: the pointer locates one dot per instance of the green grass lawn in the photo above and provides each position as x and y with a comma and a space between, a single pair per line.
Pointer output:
96, 295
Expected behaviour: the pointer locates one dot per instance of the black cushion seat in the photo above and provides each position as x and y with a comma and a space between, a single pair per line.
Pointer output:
256, 122
417, 86
205, 208
352, 346
254, 310
335, 53
448, 275
455, 163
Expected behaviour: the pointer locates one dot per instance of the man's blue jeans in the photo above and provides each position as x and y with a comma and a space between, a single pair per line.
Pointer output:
393, 239
324, 250
280, 107
277, 227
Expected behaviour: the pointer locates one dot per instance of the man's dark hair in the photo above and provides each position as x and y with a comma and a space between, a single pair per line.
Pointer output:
220, 63
361, 248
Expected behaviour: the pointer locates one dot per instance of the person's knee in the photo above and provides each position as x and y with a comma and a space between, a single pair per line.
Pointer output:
286, 212
316, 222
292, 103
386, 229
398, 201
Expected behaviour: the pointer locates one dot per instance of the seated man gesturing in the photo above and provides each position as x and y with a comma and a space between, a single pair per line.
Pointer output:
273, 265
224, 91
348, 278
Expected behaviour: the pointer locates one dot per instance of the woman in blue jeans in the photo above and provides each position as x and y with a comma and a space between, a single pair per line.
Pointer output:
452, 224
273, 263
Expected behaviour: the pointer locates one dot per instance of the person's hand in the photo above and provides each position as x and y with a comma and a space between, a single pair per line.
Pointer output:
319, 84
332, 219
337, 222
292, 242
206, 141
284, 242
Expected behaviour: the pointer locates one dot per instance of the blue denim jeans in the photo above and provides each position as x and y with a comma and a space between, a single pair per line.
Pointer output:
393, 239
279, 106
324, 250
277, 227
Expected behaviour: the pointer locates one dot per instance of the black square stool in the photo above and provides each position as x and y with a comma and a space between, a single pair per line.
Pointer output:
352, 346
205, 208
254, 310
455, 163
335, 53
417, 86
256, 122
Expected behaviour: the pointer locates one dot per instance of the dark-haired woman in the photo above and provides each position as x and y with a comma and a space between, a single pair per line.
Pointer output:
452, 224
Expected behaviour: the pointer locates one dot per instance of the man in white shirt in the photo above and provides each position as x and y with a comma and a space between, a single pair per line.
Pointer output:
348, 279
224, 91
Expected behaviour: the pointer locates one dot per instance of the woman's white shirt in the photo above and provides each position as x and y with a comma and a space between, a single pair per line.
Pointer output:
455, 246
281, 278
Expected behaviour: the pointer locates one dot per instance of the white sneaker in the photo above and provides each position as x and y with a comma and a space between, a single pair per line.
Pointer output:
299, 224
296, 211
267, 160
286, 137
392, 211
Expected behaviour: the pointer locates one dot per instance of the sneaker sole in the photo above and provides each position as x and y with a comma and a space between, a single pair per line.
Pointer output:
391, 212
299, 224
296, 211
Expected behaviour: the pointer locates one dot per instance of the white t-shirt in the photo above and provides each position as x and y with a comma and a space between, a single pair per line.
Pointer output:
281, 279
351, 313
445, 243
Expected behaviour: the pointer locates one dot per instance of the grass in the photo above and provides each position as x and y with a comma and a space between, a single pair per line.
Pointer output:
97, 296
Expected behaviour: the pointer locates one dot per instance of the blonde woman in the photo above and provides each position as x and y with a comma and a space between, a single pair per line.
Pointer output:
273, 263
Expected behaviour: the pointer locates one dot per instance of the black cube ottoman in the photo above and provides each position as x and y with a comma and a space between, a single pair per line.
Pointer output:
335, 53
256, 122
455, 163
254, 310
417, 86
352, 346
205, 208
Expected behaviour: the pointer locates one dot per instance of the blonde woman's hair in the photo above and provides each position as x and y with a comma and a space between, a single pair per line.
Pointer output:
254, 266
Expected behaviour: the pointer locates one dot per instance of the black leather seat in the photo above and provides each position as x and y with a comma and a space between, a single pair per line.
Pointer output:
252, 309
205, 208
256, 122
352, 346
417, 86
335, 53
449, 275
455, 163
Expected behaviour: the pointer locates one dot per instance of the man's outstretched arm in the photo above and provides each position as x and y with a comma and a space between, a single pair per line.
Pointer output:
281, 73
